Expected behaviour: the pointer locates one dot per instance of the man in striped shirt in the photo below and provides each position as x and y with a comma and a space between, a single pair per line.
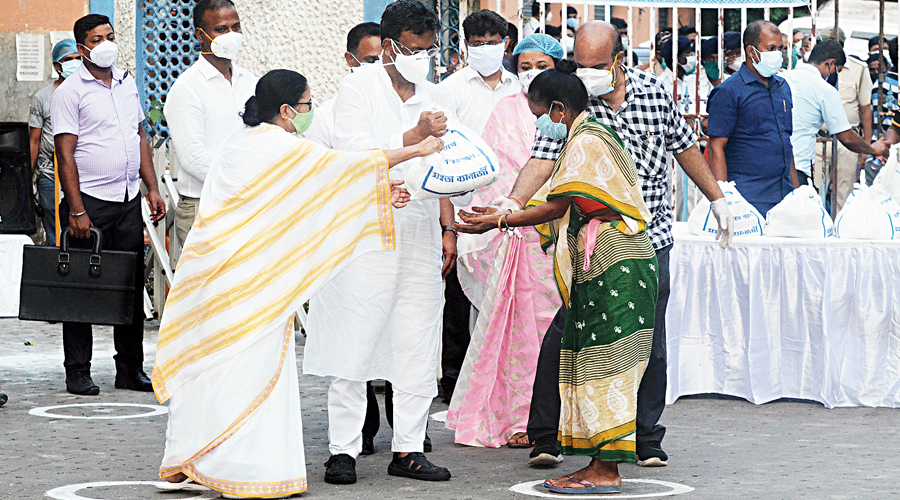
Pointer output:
103, 155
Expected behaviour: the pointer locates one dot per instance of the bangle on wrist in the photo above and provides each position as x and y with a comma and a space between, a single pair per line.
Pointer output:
521, 205
79, 214
505, 219
499, 220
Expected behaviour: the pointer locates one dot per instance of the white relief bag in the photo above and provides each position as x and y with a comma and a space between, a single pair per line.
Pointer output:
467, 163
888, 177
747, 220
800, 215
869, 213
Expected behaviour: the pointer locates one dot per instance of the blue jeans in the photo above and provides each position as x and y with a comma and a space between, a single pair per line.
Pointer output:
47, 199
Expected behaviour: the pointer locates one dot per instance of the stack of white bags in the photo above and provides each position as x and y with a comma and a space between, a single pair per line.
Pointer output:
747, 220
800, 215
871, 213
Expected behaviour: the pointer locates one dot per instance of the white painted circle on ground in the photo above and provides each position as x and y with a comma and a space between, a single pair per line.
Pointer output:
71, 492
45, 411
674, 489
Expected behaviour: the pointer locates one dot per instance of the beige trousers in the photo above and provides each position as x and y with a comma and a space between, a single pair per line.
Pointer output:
184, 217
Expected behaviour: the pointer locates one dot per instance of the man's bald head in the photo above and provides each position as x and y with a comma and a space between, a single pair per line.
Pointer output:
597, 42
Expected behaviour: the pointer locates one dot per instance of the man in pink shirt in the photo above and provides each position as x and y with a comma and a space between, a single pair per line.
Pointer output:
103, 154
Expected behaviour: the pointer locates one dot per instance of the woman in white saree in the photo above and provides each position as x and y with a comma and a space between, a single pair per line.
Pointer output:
278, 217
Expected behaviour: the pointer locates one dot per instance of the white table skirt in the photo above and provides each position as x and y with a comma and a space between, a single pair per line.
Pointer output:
11, 272
785, 318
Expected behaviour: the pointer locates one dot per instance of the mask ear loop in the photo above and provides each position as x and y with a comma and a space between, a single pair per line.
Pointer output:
616, 79
211, 39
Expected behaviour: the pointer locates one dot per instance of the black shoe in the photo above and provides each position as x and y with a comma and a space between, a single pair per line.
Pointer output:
135, 380
545, 453
3, 399
416, 466
368, 447
651, 454
426, 445
80, 383
340, 469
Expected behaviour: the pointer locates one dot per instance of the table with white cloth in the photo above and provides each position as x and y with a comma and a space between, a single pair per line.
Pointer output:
771, 318
11, 272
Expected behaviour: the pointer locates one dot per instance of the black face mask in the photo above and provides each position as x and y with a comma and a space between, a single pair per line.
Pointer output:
832, 80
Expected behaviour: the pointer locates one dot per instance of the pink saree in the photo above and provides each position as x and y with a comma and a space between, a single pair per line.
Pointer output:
510, 281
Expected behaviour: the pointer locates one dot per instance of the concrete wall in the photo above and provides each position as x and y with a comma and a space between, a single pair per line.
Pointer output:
29, 16
309, 37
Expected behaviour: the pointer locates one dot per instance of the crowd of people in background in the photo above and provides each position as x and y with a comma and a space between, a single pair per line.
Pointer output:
542, 299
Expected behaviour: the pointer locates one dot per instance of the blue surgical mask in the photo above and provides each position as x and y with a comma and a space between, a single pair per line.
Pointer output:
550, 128
769, 62
69, 67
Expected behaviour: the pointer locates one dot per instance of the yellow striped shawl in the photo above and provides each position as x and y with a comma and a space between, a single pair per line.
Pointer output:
278, 217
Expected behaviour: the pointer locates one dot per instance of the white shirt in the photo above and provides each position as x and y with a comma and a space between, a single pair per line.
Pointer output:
321, 131
473, 99
202, 110
816, 102
531, 27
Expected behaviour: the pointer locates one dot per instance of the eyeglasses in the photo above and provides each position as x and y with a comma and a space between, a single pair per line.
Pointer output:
408, 52
308, 103
482, 44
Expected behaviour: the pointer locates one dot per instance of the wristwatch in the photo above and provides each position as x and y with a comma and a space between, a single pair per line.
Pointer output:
451, 229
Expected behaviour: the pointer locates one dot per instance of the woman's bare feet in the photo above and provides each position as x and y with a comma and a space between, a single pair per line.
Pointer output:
598, 473
519, 440
177, 478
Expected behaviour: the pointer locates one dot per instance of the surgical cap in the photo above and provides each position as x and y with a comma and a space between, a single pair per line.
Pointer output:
540, 43
63, 48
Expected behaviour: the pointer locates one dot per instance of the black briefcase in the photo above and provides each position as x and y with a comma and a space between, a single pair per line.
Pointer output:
74, 285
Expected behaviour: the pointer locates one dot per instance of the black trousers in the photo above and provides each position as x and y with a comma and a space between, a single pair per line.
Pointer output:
543, 419
373, 417
456, 336
123, 229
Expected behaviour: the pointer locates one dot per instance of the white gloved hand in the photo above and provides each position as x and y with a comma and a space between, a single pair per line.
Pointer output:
725, 220
505, 203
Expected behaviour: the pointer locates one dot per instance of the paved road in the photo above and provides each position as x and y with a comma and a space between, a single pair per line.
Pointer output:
722, 448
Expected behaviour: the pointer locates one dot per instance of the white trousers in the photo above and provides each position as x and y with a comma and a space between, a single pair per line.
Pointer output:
347, 413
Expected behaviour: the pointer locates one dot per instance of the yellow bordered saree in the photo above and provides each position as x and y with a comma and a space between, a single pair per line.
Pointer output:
278, 217
607, 277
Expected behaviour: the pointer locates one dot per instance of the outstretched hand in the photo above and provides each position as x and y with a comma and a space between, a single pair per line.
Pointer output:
399, 196
430, 145
483, 220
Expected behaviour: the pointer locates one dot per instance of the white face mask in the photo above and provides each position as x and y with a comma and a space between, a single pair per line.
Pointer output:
570, 45
549, 17
104, 54
598, 81
736, 64
691, 64
362, 64
487, 59
526, 77
625, 42
227, 46
414, 68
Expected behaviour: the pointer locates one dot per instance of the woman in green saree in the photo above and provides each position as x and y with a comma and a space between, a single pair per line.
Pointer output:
605, 269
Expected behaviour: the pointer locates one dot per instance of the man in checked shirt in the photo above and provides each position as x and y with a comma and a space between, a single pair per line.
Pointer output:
641, 111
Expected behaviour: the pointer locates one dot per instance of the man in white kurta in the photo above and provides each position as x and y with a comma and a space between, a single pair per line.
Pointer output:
380, 318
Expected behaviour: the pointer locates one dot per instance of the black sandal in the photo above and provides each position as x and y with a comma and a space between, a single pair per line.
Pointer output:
416, 466
340, 469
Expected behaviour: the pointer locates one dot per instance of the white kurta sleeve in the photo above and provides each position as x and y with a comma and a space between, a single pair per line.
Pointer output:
356, 123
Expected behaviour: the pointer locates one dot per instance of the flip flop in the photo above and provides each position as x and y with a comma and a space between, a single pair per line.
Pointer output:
510, 444
589, 488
